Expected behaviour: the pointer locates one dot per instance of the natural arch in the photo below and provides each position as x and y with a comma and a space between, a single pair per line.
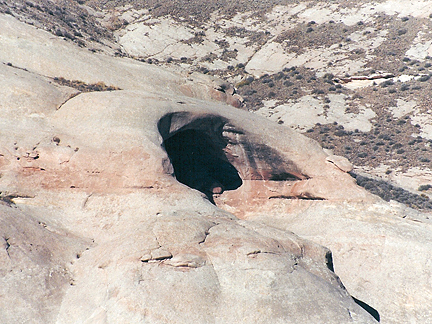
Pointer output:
209, 154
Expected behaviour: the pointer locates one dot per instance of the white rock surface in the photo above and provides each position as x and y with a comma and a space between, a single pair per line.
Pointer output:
293, 114
381, 251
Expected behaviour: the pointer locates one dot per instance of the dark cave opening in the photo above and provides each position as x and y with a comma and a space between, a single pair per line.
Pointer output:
200, 162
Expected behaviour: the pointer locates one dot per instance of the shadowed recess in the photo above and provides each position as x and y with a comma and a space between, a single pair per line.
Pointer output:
368, 308
198, 158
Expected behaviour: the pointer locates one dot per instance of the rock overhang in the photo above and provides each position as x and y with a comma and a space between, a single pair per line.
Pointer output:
120, 135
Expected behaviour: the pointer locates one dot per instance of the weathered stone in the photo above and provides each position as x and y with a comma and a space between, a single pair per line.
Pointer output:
99, 230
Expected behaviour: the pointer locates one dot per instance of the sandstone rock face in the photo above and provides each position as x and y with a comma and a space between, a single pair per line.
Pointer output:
97, 230
382, 251
35, 266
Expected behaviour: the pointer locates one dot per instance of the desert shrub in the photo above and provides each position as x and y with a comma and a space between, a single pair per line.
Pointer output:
424, 187
387, 83
245, 82
404, 87
362, 155
402, 31
389, 192
203, 70
424, 78
250, 92
400, 151
324, 129
279, 76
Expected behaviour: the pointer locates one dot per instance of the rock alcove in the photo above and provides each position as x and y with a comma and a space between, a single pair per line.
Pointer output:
209, 154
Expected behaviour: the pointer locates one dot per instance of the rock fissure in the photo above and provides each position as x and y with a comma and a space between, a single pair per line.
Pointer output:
9, 198
207, 233
7, 245
69, 98
86, 199
295, 197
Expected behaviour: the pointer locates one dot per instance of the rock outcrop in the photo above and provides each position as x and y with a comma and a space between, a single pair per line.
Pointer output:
96, 228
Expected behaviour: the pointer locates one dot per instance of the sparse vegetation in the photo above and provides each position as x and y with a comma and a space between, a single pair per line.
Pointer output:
389, 192
85, 87
424, 187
